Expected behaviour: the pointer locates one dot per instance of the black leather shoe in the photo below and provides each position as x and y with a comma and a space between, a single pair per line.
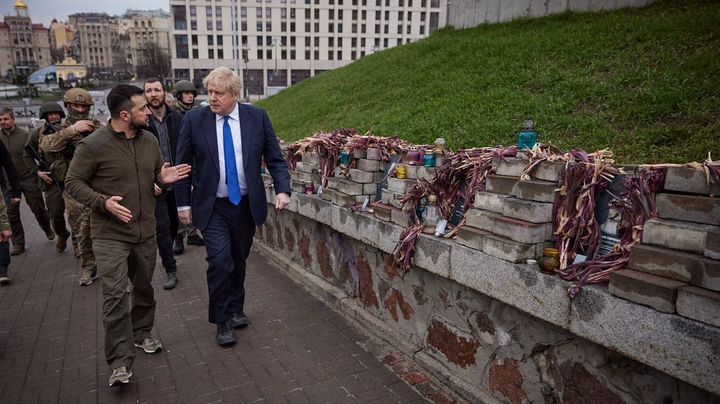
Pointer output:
239, 320
225, 335
178, 246
195, 240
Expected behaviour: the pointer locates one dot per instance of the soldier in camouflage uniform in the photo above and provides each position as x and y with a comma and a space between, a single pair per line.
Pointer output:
59, 149
52, 114
5, 234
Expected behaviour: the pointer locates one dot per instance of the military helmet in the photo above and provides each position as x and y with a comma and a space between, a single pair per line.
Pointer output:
78, 96
185, 86
49, 107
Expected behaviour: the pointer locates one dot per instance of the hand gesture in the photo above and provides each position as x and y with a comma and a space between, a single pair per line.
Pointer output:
281, 201
84, 126
45, 176
15, 200
158, 190
112, 205
185, 216
5, 235
170, 174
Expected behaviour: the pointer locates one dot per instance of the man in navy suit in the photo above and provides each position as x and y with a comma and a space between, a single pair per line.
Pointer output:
226, 142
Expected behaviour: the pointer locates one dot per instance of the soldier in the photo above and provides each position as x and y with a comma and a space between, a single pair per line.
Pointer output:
12, 195
59, 149
185, 93
14, 140
52, 114
5, 234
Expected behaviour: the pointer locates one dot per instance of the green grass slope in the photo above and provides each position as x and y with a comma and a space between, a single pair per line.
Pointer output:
643, 82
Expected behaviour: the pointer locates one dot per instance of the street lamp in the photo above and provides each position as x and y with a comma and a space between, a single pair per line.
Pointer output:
245, 74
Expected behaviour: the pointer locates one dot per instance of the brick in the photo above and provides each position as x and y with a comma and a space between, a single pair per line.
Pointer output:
399, 186
712, 244
684, 179
323, 210
311, 158
471, 237
548, 171
374, 154
534, 212
510, 250
343, 199
673, 264
500, 184
305, 206
509, 166
359, 154
307, 167
412, 171
521, 231
642, 288
400, 218
370, 189
362, 177
480, 219
433, 254
391, 198
677, 235
699, 304
426, 173
360, 199
345, 186
327, 194
540, 191
688, 208
489, 201
369, 165
305, 177
297, 187
382, 211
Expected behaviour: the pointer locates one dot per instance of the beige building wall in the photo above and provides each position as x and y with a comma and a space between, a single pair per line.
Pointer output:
143, 28
61, 34
98, 34
24, 46
286, 41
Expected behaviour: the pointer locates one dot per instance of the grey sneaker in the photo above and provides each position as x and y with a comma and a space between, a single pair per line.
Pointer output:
120, 375
170, 281
150, 345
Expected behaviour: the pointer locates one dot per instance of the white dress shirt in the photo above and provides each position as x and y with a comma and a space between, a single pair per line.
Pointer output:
234, 122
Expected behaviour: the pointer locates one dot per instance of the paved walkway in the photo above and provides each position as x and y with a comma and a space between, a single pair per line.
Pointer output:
296, 349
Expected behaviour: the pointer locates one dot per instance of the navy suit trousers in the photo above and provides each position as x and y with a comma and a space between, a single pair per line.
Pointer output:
228, 239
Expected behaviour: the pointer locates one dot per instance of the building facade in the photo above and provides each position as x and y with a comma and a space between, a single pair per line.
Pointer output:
148, 33
24, 46
273, 44
102, 49
62, 40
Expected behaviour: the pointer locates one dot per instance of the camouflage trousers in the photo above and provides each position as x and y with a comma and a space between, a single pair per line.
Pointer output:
79, 219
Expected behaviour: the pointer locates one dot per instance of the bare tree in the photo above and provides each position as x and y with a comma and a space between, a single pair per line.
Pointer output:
153, 61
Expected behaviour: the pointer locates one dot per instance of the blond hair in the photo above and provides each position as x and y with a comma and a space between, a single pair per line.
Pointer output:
226, 79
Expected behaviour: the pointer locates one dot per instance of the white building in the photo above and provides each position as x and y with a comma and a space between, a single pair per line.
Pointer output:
276, 43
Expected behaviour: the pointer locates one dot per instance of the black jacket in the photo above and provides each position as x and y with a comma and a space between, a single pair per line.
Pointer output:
11, 176
173, 120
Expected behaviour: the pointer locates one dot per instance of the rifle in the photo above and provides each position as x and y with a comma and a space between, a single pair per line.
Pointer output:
43, 165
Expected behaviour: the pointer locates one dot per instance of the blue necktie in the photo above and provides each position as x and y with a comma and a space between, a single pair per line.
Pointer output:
231, 174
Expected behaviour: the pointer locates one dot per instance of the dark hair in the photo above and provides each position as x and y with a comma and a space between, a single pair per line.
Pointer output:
7, 111
154, 80
120, 98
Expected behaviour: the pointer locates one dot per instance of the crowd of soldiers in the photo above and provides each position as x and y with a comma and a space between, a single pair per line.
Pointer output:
35, 163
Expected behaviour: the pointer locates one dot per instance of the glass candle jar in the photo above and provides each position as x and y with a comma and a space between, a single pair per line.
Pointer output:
401, 171
550, 261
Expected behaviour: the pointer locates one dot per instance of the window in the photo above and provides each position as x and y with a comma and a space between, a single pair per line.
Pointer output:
399, 29
193, 12
434, 17
339, 55
354, 14
268, 12
408, 30
292, 13
259, 41
386, 29
193, 25
292, 27
317, 14
210, 40
244, 39
283, 26
307, 13
434, 3
362, 29
258, 26
292, 54
243, 26
219, 40
181, 46
353, 55
258, 12
218, 11
292, 41
422, 30
317, 42
307, 55
268, 40
283, 12
259, 54
243, 11
195, 53
340, 28
400, 15
377, 28
268, 26
331, 27
220, 54
317, 55
194, 39
268, 53
180, 18
353, 42
208, 11
331, 42
331, 14
330, 55
209, 25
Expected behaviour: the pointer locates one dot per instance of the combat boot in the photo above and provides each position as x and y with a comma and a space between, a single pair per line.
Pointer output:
87, 277
4, 278
60, 244
50, 234
76, 250
17, 249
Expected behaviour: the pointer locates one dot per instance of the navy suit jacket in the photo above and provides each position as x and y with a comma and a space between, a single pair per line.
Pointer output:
197, 146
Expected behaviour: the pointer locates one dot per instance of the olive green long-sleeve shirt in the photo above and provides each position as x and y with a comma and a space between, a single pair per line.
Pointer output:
15, 143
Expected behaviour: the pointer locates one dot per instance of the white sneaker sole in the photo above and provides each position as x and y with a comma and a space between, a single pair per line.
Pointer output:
160, 348
121, 381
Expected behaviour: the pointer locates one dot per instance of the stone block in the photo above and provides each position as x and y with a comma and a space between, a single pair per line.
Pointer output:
699, 304
362, 177
369, 165
312, 158
382, 211
509, 166
293, 205
433, 254
305, 178
359, 154
388, 236
361, 199
370, 189
540, 191
374, 154
345, 186
400, 218
342, 199
426, 173
323, 210
480, 219
489, 201
307, 167
643, 288
327, 194
391, 198
500, 184
521, 231
367, 229
677, 235
673, 264
688, 208
270, 195
534, 212
399, 186
712, 244
471, 237
510, 250
297, 187
344, 222
378, 176
412, 171
685, 179
548, 171
305, 206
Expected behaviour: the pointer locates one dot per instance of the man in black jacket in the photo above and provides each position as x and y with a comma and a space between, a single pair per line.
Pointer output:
165, 125
11, 194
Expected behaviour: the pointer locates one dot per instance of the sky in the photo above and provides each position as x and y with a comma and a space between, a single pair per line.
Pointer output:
43, 11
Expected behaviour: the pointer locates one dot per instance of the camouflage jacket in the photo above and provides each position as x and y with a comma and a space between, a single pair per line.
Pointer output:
4, 222
59, 147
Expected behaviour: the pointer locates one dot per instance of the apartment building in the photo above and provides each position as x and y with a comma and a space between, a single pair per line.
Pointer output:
273, 44
62, 36
101, 48
24, 46
148, 33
